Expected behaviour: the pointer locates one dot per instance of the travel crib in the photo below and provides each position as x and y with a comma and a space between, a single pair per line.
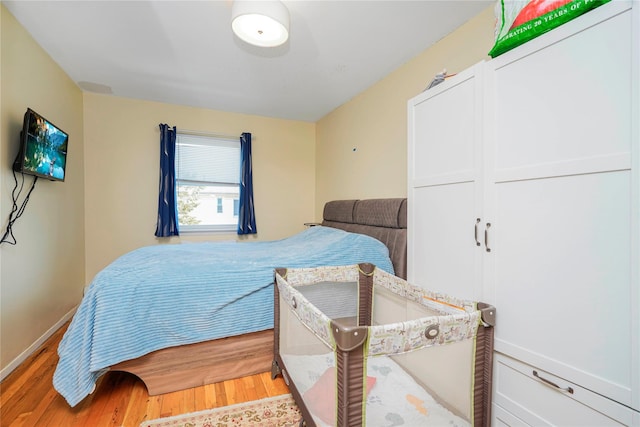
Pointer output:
358, 346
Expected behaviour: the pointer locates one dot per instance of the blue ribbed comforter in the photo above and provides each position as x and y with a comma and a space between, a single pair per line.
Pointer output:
168, 295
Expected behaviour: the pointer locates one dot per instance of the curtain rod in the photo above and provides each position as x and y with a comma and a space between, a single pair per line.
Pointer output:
209, 134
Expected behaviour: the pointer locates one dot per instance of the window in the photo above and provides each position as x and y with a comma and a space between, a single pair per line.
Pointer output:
207, 183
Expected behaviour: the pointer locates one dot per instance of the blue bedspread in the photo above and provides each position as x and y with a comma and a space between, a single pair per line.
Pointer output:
168, 295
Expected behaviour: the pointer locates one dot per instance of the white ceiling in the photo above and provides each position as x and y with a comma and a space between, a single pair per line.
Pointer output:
183, 52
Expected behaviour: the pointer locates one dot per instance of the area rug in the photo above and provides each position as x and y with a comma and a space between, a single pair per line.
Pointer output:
278, 411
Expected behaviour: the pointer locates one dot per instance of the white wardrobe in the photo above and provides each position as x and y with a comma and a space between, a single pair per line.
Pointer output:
524, 192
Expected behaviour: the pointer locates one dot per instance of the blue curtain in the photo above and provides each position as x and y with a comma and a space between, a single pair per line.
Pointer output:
246, 214
167, 206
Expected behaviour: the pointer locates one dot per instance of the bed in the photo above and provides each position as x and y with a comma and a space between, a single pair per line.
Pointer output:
190, 314
359, 346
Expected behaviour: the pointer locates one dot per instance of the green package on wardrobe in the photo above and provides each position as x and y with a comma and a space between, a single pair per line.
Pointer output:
519, 21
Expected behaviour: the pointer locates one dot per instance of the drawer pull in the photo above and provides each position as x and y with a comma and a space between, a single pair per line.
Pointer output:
552, 384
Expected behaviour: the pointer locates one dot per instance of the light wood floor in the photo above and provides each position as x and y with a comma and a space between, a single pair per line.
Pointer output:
27, 396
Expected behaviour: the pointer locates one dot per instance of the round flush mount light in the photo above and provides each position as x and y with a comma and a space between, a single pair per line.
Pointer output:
260, 23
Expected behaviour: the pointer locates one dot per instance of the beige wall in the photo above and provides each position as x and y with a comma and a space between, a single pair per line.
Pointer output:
361, 147
42, 277
122, 158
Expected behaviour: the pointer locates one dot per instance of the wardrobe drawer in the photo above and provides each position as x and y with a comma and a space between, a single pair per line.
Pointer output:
531, 396
502, 418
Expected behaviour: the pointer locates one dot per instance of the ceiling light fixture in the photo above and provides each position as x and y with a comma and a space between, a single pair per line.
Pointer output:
260, 23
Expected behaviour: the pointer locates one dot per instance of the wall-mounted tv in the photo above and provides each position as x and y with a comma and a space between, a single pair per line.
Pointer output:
43, 148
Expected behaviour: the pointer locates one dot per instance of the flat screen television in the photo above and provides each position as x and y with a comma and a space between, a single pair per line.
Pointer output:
43, 148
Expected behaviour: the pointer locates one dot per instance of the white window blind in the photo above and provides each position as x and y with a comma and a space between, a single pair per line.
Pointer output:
207, 160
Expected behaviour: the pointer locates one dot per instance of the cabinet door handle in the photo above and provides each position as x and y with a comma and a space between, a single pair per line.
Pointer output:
552, 384
475, 232
486, 236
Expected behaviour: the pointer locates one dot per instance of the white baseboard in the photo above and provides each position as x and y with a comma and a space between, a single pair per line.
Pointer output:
33, 347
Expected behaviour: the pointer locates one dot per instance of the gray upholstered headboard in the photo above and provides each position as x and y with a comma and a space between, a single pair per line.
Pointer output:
383, 219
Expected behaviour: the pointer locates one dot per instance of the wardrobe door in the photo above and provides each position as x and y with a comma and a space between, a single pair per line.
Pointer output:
560, 191
444, 186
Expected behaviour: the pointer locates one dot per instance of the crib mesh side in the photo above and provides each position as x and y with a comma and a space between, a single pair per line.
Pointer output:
311, 304
438, 351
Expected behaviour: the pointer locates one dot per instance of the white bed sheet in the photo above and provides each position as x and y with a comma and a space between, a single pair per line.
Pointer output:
395, 399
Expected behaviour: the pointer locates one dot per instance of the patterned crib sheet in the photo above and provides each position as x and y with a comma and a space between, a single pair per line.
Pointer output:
394, 400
